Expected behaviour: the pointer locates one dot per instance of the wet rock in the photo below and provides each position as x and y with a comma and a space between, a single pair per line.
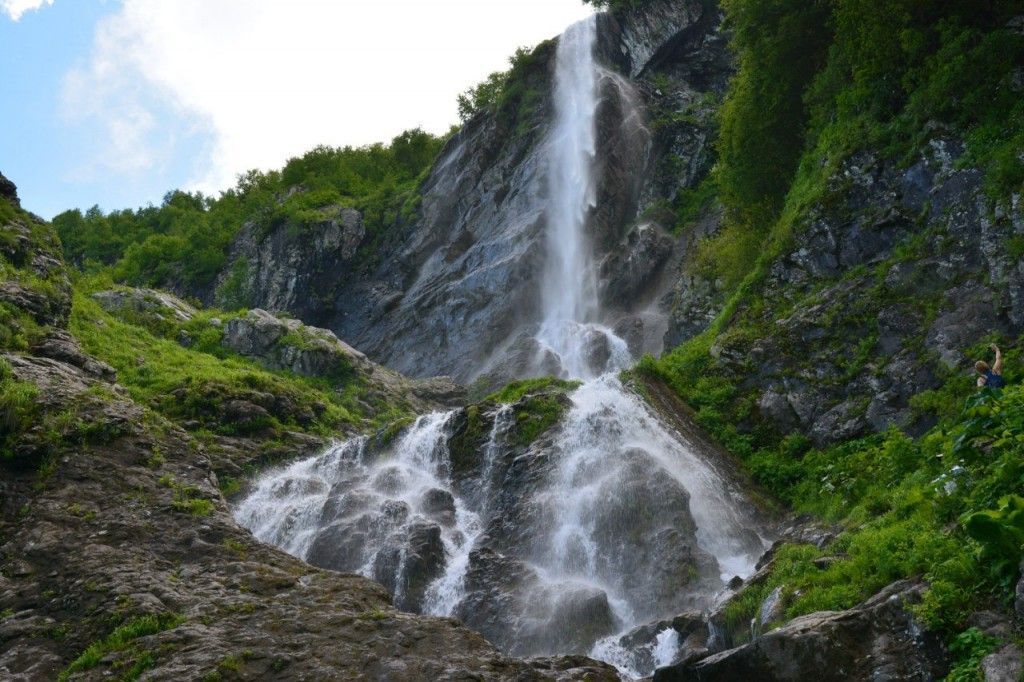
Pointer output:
629, 270
423, 563
647, 537
523, 357
439, 505
596, 350
641, 642
492, 583
879, 639
772, 610
581, 617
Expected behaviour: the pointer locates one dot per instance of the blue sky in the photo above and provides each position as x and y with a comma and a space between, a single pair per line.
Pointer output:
115, 102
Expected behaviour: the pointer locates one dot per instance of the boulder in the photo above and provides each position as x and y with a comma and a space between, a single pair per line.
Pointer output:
878, 640
580, 617
144, 305
1004, 665
423, 563
285, 343
438, 505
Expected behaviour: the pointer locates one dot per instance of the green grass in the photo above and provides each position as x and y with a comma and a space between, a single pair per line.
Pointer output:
517, 389
538, 405
184, 384
19, 408
121, 639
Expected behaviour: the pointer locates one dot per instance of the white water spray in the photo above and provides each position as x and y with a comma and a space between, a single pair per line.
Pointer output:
570, 327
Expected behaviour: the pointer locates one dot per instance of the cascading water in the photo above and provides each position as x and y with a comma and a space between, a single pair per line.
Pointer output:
569, 328
613, 521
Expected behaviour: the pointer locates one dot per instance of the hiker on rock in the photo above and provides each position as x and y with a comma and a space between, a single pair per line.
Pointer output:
991, 377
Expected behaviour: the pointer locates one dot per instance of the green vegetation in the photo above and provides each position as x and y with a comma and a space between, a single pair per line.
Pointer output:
19, 409
30, 432
537, 404
22, 236
184, 241
517, 389
818, 82
514, 96
968, 648
207, 388
123, 639
187, 498
902, 501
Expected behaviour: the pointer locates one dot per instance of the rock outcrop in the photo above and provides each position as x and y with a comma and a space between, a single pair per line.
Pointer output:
283, 343
878, 640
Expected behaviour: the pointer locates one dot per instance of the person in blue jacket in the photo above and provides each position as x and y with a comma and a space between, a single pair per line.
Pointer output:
991, 377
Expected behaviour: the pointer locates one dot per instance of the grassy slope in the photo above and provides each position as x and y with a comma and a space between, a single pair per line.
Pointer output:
189, 384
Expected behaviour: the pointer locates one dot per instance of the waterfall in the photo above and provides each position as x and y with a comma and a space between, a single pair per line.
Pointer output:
616, 521
569, 327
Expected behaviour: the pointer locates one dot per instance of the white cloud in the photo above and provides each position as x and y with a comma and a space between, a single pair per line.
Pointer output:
15, 8
272, 78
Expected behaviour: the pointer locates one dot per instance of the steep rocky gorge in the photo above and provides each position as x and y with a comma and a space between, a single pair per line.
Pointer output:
552, 517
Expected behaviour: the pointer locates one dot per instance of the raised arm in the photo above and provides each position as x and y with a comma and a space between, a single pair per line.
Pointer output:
997, 367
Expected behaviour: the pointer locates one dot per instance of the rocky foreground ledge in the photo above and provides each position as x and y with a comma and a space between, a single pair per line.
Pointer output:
119, 557
134, 534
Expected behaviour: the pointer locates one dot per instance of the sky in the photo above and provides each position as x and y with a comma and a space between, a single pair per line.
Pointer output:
115, 102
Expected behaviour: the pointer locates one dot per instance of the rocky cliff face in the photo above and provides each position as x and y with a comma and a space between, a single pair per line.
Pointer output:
456, 290
893, 275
